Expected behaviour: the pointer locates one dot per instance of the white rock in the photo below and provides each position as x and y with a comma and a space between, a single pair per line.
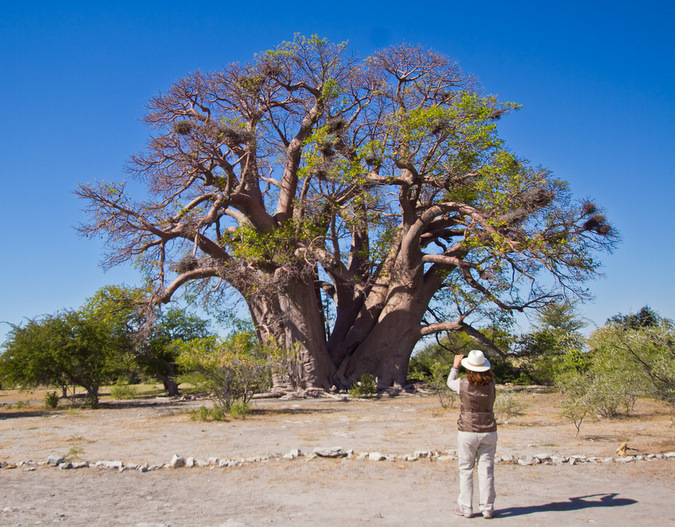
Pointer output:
421, 453
109, 464
55, 459
177, 461
669, 455
376, 456
330, 452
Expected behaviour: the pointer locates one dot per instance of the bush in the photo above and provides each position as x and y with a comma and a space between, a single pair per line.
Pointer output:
52, 399
507, 406
364, 387
638, 360
231, 370
122, 391
208, 414
439, 385
240, 409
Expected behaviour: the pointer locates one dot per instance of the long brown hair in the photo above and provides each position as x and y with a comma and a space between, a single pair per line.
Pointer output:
480, 378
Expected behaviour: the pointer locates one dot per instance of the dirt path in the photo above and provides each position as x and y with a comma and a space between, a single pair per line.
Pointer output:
321, 491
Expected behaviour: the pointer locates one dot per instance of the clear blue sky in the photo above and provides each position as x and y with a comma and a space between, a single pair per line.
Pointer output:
596, 81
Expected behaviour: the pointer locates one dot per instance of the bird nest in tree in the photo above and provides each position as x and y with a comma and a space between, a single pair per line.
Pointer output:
185, 264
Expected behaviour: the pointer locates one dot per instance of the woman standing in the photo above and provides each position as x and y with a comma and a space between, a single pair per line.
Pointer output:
477, 431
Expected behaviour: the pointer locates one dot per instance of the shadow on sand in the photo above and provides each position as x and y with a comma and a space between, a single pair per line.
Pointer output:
573, 504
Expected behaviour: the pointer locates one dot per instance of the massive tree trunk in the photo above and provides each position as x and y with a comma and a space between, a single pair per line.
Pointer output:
393, 328
291, 317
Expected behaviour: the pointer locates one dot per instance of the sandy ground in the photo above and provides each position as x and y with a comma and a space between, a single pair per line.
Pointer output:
322, 491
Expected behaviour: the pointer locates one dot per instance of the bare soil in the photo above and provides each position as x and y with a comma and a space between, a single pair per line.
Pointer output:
320, 491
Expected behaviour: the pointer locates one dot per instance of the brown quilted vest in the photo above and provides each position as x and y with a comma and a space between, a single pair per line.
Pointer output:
476, 402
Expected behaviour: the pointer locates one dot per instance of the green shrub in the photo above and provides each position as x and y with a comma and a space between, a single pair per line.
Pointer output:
364, 387
231, 370
217, 413
240, 409
208, 414
51, 399
122, 391
200, 414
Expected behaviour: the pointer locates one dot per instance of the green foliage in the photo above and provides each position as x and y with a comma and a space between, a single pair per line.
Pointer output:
208, 414
240, 409
69, 348
364, 387
148, 334
52, 399
555, 345
641, 359
628, 359
231, 370
645, 318
122, 391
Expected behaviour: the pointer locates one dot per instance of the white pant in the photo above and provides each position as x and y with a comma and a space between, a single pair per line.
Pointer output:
472, 447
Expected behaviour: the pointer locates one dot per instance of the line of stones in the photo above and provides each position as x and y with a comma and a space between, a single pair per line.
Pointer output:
178, 461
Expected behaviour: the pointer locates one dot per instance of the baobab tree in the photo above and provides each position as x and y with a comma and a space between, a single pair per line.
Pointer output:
354, 205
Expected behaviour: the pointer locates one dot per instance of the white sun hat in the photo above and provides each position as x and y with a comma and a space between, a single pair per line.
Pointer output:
476, 361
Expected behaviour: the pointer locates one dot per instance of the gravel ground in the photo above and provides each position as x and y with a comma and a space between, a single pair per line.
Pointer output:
323, 491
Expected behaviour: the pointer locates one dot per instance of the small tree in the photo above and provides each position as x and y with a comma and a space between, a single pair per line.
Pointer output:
641, 358
69, 348
575, 401
147, 333
555, 341
630, 357
231, 370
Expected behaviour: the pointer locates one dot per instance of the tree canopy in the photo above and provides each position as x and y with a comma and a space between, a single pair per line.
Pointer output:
356, 205
65, 349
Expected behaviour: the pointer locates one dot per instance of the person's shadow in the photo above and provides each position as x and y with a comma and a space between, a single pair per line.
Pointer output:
573, 504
